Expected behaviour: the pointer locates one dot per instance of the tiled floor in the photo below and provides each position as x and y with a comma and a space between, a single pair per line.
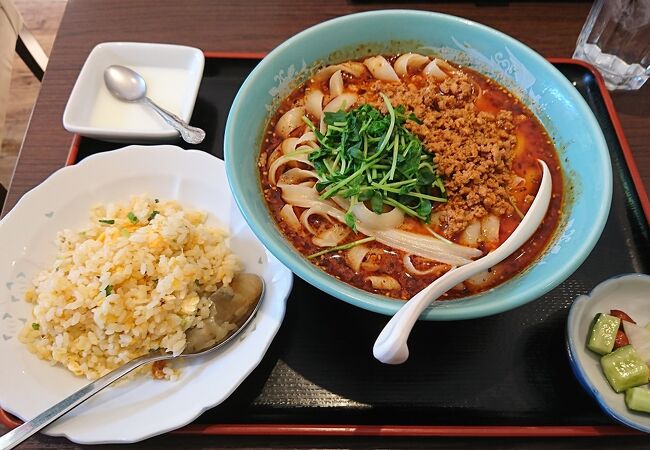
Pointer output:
42, 18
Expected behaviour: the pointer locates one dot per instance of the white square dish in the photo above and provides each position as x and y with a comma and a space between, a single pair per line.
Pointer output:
172, 73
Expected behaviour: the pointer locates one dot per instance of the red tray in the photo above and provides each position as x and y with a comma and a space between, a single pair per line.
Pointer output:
602, 105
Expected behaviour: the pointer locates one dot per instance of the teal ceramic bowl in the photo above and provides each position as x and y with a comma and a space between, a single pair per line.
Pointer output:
556, 103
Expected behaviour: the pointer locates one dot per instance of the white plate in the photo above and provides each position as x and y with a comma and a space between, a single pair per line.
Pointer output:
142, 407
629, 293
172, 73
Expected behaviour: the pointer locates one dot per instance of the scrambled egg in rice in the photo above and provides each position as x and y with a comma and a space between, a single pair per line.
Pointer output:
134, 280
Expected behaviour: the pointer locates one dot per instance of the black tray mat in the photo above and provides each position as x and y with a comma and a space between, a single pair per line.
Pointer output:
509, 369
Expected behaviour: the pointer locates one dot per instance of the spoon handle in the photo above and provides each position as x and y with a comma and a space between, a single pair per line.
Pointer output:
190, 134
24, 431
390, 346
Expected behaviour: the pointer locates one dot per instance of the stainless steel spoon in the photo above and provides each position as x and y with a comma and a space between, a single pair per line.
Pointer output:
128, 85
240, 306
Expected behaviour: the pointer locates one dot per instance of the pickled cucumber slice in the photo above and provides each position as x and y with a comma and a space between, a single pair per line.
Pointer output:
638, 399
624, 369
603, 333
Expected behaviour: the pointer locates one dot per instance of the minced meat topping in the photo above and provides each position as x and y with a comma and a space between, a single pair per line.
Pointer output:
473, 148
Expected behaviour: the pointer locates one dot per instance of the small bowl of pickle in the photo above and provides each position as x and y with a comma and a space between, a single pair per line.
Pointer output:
608, 341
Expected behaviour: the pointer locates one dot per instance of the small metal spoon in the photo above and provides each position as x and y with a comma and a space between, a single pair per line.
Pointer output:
251, 283
391, 345
128, 85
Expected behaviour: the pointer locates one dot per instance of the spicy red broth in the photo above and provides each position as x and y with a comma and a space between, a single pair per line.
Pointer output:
459, 166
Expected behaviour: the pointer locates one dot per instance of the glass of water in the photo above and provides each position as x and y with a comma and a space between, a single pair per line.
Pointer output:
616, 40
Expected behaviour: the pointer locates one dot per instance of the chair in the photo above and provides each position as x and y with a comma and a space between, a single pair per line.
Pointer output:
15, 38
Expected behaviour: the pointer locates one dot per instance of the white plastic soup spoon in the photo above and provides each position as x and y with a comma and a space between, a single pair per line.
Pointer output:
391, 346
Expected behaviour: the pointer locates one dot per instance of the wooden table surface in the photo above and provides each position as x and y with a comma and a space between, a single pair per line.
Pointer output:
258, 26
